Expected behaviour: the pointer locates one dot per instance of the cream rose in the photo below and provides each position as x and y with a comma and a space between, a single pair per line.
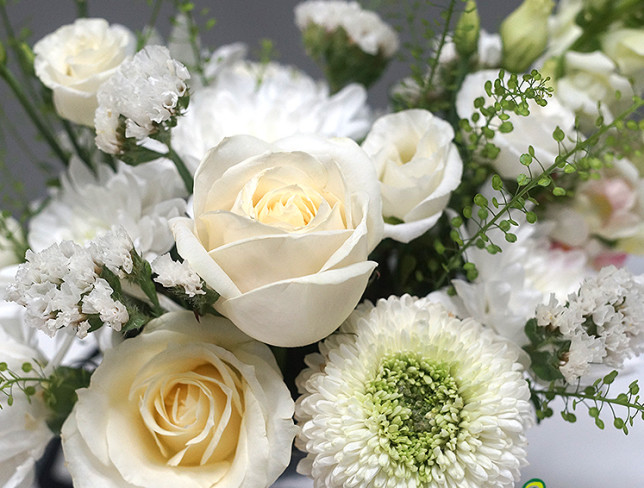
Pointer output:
535, 130
282, 231
76, 59
418, 167
185, 404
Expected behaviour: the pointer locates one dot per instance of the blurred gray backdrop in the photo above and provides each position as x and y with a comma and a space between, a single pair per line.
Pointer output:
247, 21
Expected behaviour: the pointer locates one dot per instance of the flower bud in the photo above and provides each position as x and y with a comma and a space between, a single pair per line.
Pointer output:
524, 34
466, 34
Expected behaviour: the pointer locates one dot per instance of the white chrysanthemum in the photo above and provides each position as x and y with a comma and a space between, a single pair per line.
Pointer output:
172, 273
407, 395
141, 199
363, 27
269, 102
145, 90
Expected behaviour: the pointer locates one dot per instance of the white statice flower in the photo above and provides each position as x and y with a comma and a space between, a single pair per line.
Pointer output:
535, 130
405, 394
418, 167
145, 91
23, 426
513, 282
60, 288
171, 273
590, 85
114, 250
141, 199
603, 321
363, 27
269, 101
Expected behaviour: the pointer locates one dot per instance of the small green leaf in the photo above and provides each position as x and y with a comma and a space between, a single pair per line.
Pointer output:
558, 191
558, 135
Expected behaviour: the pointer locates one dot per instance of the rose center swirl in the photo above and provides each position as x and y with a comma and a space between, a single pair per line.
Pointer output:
417, 407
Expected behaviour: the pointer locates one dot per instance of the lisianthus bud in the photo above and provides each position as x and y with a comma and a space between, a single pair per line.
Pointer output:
524, 34
466, 34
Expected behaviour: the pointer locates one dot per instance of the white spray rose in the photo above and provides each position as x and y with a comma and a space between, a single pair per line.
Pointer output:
535, 130
186, 403
282, 231
626, 48
589, 79
418, 166
76, 59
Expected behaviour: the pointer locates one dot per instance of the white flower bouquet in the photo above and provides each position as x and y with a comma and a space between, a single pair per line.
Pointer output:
237, 267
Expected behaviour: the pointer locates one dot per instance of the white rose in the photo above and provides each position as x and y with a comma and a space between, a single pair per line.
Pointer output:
590, 79
23, 428
189, 404
418, 167
626, 48
535, 130
282, 231
76, 59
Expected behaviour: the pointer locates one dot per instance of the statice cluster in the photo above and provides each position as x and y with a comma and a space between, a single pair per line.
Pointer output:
61, 287
175, 274
145, 91
604, 321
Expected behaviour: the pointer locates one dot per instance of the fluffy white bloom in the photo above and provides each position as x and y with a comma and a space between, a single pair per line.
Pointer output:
145, 90
603, 320
511, 284
591, 79
139, 198
266, 101
23, 429
363, 27
75, 60
418, 166
404, 394
114, 250
171, 273
191, 404
281, 231
535, 130
60, 288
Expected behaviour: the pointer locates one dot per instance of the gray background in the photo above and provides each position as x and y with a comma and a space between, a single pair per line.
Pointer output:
561, 454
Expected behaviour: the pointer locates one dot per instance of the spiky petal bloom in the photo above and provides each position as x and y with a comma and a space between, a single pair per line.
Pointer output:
406, 395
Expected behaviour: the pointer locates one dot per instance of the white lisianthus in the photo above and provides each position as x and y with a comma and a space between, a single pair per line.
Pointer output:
535, 130
563, 29
611, 208
75, 60
405, 394
626, 48
145, 90
418, 166
266, 101
363, 27
591, 81
282, 230
188, 403
140, 198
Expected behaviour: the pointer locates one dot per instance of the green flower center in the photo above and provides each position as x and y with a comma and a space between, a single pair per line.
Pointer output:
417, 410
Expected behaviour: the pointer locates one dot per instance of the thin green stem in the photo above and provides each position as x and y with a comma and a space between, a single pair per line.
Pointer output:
187, 178
34, 115
534, 182
81, 8
434, 64
562, 392
151, 23
80, 151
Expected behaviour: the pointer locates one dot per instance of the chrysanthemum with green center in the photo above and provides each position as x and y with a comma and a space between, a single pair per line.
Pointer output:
405, 395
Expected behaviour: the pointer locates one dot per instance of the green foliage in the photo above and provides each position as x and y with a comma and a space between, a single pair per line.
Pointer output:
624, 408
10, 380
59, 393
